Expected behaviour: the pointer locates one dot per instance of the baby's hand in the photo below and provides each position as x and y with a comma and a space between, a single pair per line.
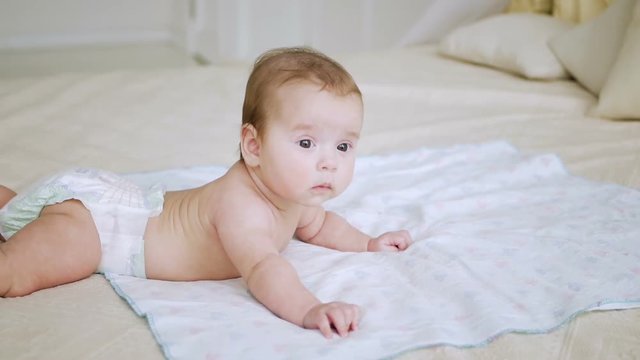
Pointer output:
341, 316
390, 241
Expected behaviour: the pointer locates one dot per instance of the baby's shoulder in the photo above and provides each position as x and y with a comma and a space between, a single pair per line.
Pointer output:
234, 189
232, 198
243, 212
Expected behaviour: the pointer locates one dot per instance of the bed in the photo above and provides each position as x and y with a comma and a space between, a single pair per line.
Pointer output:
415, 97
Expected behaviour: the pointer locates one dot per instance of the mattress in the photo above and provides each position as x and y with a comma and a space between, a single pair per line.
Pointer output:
138, 121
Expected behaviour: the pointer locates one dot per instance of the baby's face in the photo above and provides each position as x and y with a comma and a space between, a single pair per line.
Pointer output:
308, 148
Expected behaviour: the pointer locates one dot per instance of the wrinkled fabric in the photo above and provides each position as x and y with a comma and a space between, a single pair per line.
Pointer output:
504, 242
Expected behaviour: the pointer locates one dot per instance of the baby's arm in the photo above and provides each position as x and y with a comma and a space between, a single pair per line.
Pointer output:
273, 281
328, 229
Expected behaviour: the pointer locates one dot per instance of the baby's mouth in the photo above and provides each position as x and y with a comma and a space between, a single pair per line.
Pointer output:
323, 186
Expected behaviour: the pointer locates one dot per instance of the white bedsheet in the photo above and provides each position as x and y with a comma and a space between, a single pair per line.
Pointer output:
505, 242
148, 120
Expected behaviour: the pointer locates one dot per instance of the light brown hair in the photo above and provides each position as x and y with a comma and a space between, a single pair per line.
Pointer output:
277, 67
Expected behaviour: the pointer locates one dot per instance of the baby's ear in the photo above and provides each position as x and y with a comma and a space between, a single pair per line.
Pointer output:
250, 145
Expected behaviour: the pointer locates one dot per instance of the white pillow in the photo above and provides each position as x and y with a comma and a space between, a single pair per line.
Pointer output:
620, 96
589, 50
513, 42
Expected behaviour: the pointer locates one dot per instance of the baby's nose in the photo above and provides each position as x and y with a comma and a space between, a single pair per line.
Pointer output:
328, 163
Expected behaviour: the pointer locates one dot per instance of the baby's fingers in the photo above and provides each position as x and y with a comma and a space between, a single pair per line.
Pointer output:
337, 318
355, 318
344, 319
403, 244
403, 240
325, 327
336, 315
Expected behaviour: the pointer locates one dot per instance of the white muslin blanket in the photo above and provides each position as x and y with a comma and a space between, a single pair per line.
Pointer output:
504, 242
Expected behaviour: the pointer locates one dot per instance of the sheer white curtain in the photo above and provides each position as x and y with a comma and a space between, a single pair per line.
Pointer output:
238, 30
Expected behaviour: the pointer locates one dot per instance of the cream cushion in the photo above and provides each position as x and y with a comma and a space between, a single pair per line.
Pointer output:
620, 96
589, 50
578, 10
537, 6
515, 42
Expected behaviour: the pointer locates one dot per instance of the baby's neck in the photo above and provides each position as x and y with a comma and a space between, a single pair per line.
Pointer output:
279, 203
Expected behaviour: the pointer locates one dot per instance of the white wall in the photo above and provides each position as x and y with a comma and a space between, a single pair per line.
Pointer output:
232, 30
55, 23
235, 30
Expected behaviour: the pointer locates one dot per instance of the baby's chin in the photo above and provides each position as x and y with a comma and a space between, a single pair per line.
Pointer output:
313, 202
316, 200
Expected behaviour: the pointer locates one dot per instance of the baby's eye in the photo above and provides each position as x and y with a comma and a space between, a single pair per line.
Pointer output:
306, 143
343, 147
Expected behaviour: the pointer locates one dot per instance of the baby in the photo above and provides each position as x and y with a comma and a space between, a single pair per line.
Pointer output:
301, 121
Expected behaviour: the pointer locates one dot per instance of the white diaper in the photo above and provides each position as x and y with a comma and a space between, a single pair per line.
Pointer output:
120, 210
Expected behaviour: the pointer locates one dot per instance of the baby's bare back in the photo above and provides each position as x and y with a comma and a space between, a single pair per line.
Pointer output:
182, 243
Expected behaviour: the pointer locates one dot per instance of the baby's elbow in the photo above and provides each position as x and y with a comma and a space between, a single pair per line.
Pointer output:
309, 233
260, 268
312, 221
306, 234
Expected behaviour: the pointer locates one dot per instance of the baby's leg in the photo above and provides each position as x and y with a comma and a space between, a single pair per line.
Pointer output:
60, 246
6, 194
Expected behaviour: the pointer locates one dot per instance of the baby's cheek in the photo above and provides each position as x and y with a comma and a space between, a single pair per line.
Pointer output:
345, 180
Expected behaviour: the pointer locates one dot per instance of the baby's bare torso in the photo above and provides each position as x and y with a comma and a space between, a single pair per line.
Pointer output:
182, 243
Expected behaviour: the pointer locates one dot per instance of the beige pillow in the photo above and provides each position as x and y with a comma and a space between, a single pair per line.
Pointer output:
620, 96
512, 42
578, 10
589, 50
537, 6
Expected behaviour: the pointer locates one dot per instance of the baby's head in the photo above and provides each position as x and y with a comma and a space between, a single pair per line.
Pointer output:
281, 66
301, 122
